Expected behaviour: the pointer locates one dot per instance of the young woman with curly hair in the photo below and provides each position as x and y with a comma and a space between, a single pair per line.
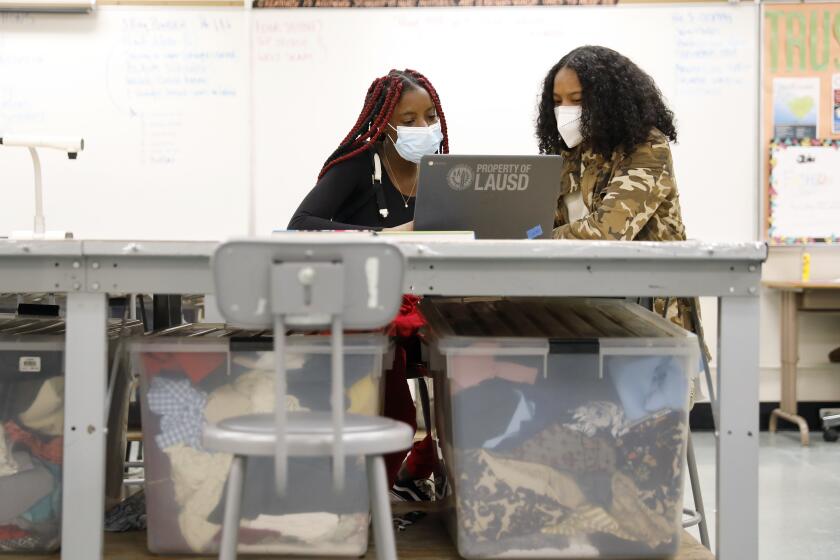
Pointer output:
606, 116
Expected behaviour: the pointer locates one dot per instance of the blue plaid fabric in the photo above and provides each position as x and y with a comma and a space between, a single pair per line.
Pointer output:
181, 407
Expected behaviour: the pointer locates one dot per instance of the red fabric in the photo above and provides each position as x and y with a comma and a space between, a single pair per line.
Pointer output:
11, 532
195, 365
408, 320
422, 461
48, 450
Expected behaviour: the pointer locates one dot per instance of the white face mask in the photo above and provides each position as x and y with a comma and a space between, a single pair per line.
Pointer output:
414, 142
568, 123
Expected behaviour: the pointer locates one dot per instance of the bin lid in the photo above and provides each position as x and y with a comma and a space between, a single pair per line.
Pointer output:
531, 322
202, 336
14, 328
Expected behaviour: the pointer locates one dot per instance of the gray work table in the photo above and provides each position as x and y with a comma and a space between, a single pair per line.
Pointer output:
88, 270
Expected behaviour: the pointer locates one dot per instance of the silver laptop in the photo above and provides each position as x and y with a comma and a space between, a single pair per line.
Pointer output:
497, 197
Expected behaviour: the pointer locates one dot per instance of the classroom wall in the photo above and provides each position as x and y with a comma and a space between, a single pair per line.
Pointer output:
123, 205
819, 333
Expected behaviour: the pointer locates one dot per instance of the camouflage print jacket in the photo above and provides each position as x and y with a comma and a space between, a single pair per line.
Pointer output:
631, 196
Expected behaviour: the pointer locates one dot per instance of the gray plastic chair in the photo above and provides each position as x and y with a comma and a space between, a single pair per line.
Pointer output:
309, 281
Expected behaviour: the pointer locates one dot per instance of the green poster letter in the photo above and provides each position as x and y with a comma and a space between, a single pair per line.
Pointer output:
795, 41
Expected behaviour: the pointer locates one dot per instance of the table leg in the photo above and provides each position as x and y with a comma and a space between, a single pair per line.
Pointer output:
84, 427
737, 444
790, 357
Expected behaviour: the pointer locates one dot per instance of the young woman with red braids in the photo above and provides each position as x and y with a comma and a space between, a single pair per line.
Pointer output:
369, 182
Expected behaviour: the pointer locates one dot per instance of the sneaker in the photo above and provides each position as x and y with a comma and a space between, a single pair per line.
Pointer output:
412, 491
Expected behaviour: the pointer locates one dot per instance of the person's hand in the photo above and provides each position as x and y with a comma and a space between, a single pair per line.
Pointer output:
408, 226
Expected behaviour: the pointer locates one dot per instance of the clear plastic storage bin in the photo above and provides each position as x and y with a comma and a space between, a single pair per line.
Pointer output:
195, 374
31, 430
563, 426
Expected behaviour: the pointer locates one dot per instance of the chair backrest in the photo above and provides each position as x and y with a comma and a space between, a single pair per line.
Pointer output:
371, 288
309, 280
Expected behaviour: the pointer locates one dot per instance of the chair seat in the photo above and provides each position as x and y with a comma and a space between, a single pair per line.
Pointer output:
308, 434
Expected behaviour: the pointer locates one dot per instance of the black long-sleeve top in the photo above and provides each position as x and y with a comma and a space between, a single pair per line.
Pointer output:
344, 198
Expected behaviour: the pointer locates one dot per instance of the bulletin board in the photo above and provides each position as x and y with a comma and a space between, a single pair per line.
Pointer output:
804, 191
801, 88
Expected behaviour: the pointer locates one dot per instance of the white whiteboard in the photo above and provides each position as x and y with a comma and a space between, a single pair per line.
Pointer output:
312, 68
161, 97
805, 193
171, 102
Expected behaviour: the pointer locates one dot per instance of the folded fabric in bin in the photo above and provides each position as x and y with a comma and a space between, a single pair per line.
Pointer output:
577, 484
22, 537
195, 365
523, 413
305, 528
649, 453
308, 386
494, 401
646, 384
598, 416
565, 448
8, 465
627, 518
305, 495
24, 490
18, 395
503, 497
198, 478
311, 383
48, 449
182, 409
514, 504
476, 369
11, 532
46, 413
26, 543
251, 393
48, 509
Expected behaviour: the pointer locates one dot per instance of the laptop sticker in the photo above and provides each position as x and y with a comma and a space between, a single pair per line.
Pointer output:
535, 232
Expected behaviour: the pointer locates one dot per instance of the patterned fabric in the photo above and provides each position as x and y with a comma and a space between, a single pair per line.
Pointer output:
182, 409
626, 519
596, 416
503, 498
128, 515
564, 448
594, 481
648, 457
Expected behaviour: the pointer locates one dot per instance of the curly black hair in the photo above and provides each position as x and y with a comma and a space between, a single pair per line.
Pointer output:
620, 103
